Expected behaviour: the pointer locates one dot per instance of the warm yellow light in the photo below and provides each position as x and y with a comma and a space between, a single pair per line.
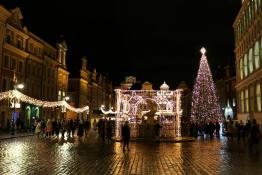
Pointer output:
20, 86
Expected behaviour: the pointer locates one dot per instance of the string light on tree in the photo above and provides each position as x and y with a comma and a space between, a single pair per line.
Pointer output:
205, 106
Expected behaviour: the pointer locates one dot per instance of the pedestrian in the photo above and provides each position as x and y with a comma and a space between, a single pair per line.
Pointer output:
217, 129
38, 129
157, 127
94, 125
254, 137
48, 128
87, 127
126, 135
109, 130
80, 131
240, 130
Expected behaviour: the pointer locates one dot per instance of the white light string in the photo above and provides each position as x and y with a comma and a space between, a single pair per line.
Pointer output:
46, 104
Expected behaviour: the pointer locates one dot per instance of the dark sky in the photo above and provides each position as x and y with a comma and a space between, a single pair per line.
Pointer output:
152, 40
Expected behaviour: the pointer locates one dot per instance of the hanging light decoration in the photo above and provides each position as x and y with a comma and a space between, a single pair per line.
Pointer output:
11, 94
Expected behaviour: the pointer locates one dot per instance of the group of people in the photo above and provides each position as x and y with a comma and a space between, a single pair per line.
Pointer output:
104, 128
210, 129
54, 128
247, 133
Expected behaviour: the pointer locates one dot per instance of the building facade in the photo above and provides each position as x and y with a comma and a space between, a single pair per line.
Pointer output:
89, 89
35, 63
226, 93
248, 51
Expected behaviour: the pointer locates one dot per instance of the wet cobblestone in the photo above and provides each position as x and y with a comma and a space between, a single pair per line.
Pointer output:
30, 155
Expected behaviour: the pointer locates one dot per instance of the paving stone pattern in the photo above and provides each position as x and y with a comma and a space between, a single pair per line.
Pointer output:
31, 155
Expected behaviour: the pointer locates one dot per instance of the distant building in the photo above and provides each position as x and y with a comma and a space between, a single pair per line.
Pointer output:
35, 63
89, 89
225, 86
186, 100
248, 50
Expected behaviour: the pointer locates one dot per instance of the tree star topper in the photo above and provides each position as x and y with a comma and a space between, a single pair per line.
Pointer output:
203, 50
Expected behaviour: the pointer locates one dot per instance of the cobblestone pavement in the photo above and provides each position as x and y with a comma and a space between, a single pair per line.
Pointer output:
31, 155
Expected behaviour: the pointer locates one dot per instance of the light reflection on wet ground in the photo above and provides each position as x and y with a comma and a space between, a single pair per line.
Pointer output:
31, 155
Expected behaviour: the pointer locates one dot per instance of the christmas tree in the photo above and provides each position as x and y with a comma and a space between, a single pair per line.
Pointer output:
205, 106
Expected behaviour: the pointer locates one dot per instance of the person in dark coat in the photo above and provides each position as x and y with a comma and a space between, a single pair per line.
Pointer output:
126, 135
254, 137
80, 131
109, 131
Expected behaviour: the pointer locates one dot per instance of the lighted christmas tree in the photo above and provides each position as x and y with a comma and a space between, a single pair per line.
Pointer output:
205, 106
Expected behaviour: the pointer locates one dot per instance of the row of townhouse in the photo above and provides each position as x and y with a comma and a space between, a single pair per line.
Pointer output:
42, 68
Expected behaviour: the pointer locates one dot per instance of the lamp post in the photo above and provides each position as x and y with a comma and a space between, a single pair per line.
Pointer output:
15, 103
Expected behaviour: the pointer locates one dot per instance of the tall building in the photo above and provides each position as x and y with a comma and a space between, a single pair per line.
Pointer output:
226, 93
248, 51
90, 89
37, 64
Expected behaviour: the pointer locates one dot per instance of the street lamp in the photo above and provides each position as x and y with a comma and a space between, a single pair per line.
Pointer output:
15, 103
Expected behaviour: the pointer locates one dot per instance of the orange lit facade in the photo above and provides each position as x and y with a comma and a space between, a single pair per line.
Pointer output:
37, 64
248, 51
89, 89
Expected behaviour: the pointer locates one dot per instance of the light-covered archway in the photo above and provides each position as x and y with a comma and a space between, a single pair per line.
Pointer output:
168, 108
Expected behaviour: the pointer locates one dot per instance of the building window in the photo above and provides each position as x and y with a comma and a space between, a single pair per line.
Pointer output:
246, 100
256, 54
59, 95
251, 99
249, 13
241, 69
19, 44
260, 50
4, 85
258, 97
13, 64
250, 60
6, 61
20, 66
245, 65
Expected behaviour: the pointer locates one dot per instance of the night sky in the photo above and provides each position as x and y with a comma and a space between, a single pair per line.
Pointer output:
153, 40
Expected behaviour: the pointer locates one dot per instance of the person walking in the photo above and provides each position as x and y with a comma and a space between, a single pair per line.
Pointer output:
109, 130
38, 129
48, 128
254, 138
126, 135
80, 131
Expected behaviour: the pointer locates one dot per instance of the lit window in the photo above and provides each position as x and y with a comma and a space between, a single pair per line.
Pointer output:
59, 95
255, 5
258, 97
246, 100
234, 102
245, 65
256, 54
250, 60
241, 68
242, 101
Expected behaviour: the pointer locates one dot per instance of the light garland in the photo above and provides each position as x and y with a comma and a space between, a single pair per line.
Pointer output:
11, 94
110, 111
